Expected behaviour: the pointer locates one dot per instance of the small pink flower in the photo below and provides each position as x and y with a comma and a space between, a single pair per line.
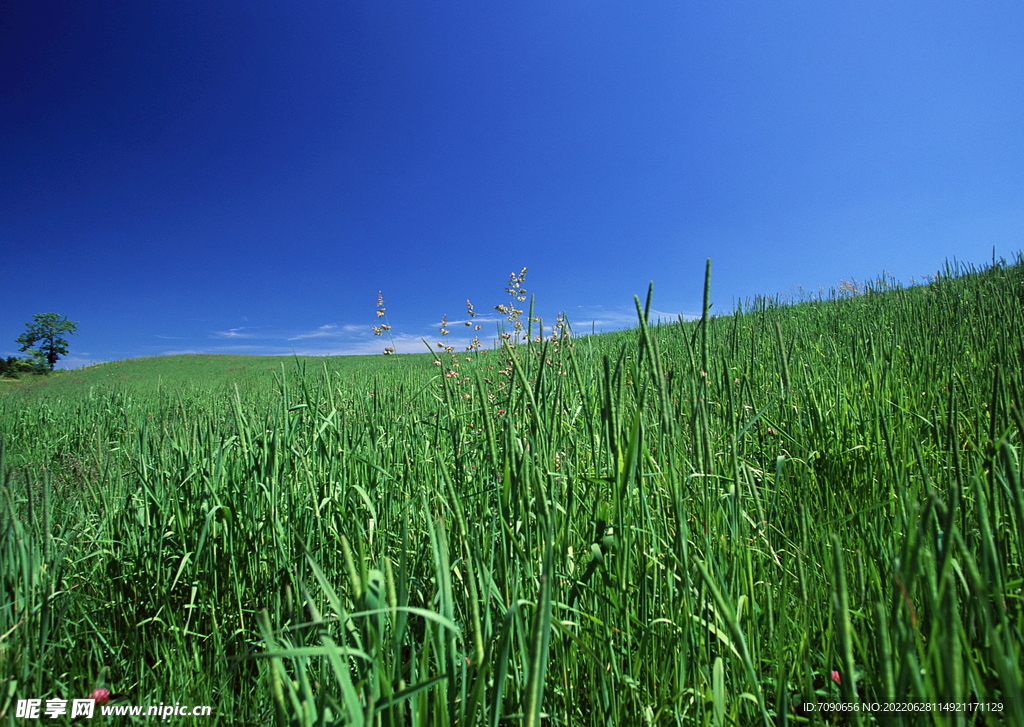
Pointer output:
101, 695
501, 411
835, 676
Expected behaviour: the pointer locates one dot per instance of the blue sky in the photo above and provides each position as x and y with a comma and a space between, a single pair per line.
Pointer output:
244, 177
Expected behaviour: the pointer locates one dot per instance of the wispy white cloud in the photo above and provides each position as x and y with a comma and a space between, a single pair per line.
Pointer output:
327, 331
479, 320
232, 333
371, 346
344, 339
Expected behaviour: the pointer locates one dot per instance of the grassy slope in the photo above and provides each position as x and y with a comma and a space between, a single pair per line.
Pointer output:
680, 525
205, 371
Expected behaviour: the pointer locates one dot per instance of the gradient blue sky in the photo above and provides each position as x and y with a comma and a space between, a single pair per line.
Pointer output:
243, 177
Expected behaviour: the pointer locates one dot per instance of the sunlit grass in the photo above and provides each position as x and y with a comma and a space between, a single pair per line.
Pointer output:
709, 522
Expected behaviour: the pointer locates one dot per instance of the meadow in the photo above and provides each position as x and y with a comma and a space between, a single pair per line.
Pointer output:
736, 520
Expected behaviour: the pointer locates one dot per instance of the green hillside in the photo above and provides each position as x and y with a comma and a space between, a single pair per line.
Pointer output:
198, 371
747, 519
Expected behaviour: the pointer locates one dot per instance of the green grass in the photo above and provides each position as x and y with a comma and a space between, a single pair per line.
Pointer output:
202, 372
685, 524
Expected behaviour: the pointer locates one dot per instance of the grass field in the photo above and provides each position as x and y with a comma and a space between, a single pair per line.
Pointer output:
717, 522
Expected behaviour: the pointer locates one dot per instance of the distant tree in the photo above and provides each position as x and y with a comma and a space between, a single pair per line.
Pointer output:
47, 330
12, 367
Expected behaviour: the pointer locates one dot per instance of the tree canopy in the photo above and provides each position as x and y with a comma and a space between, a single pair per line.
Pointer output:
47, 330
